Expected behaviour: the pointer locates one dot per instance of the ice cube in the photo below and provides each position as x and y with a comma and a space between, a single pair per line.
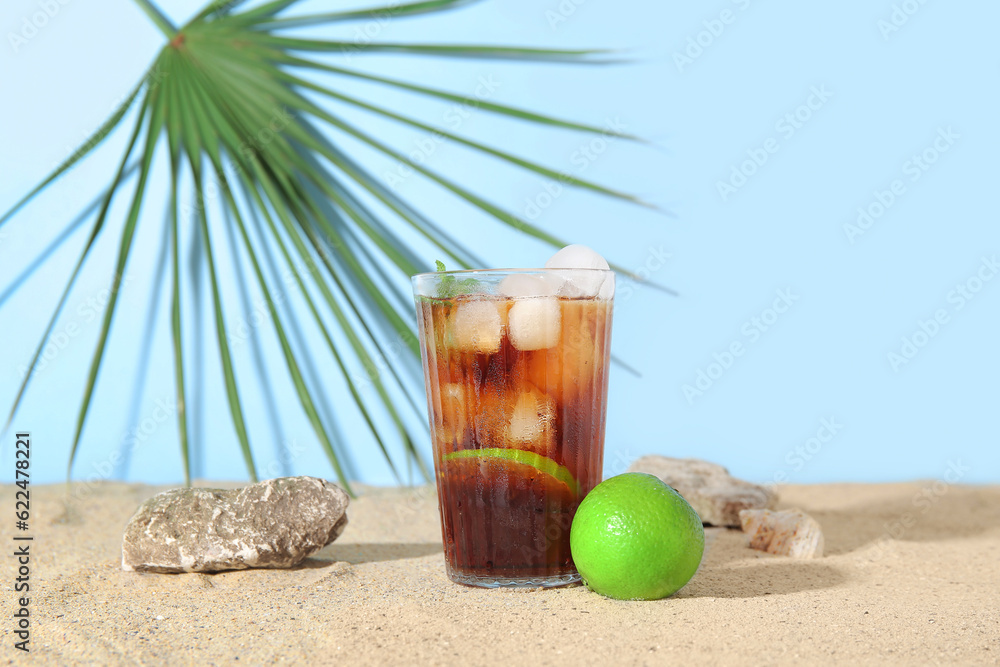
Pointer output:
530, 425
476, 327
607, 287
534, 323
582, 283
451, 413
529, 284
576, 256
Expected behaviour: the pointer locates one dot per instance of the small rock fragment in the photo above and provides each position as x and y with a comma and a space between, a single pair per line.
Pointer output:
714, 494
786, 533
275, 523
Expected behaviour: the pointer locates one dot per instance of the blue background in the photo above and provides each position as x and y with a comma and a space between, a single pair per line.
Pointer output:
855, 294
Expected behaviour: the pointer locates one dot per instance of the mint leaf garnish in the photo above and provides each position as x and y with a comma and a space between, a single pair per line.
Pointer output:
450, 286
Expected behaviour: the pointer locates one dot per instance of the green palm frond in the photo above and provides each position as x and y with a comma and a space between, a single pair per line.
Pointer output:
223, 80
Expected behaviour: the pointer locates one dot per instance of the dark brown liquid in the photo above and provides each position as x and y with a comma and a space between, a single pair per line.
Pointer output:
503, 518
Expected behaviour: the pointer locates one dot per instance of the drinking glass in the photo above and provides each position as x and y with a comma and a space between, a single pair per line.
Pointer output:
516, 369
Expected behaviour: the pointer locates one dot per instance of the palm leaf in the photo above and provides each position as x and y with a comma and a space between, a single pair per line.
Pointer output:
125, 245
92, 142
94, 233
176, 327
228, 373
381, 13
57, 242
224, 80
285, 216
440, 131
446, 50
475, 102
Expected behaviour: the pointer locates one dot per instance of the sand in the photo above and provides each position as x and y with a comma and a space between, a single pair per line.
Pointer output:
379, 594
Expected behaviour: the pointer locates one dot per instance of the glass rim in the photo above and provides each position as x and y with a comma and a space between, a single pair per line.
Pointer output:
428, 274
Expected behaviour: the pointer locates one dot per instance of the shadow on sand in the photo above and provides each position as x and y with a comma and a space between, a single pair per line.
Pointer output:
373, 552
770, 577
923, 512
730, 570
920, 512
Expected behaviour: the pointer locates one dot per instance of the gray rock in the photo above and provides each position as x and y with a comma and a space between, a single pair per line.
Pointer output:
787, 533
275, 523
714, 494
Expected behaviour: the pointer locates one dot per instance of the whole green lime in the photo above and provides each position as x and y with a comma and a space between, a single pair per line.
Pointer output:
635, 538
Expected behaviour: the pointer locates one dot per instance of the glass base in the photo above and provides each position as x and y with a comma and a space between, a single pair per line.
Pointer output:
479, 581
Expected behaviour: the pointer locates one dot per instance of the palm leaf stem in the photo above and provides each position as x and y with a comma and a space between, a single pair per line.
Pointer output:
158, 18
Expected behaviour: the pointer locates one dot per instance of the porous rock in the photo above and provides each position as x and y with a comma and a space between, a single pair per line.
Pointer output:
786, 533
275, 523
715, 495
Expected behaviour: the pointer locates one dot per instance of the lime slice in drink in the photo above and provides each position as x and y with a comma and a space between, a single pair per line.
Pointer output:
516, 463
